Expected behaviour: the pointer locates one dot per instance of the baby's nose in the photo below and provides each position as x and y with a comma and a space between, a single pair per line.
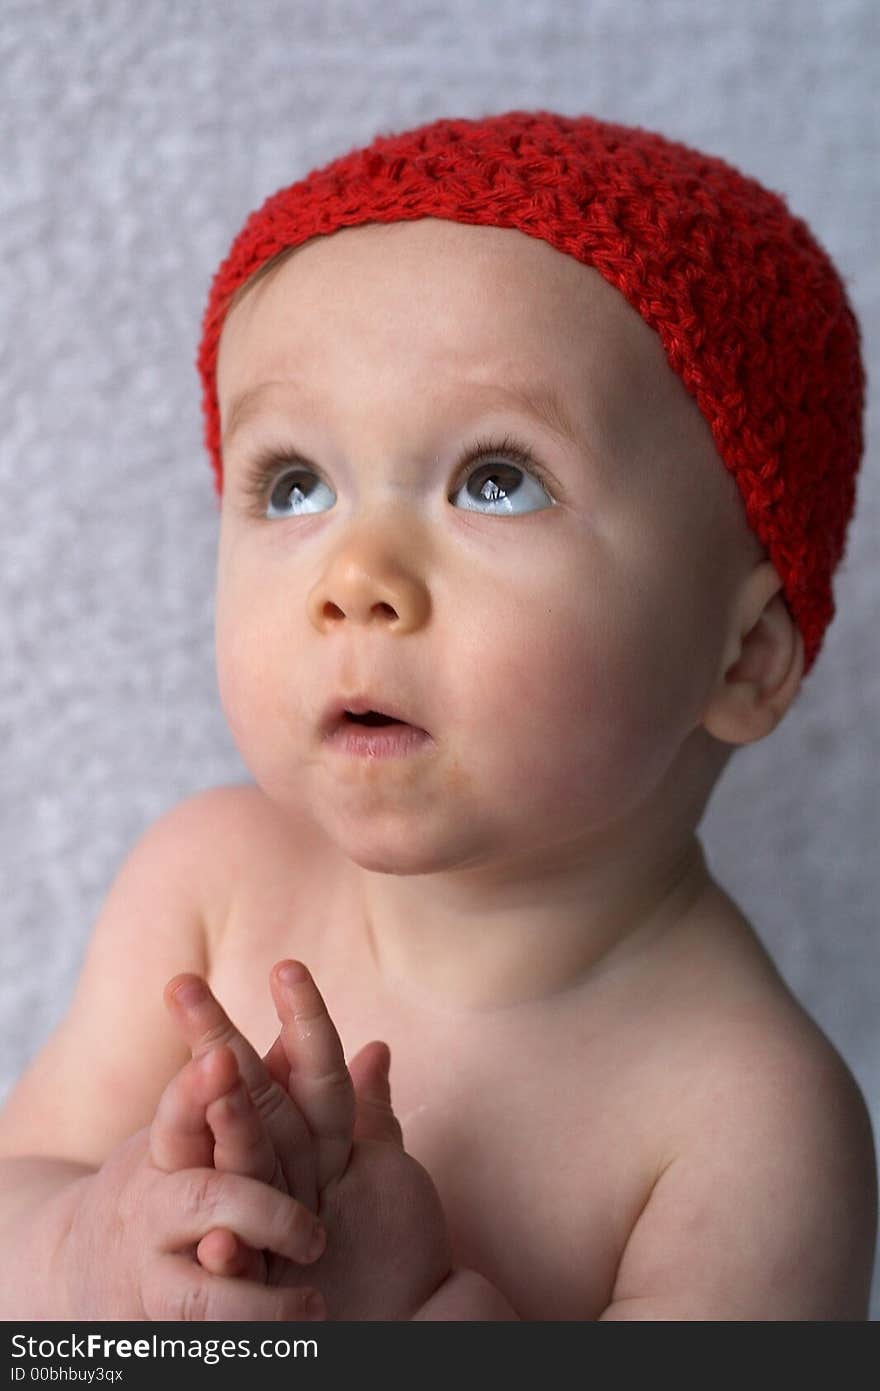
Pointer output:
368, 590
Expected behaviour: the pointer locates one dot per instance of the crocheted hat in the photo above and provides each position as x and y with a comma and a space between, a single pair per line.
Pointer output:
749, 308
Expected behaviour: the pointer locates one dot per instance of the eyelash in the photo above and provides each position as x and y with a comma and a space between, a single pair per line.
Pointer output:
510, 449
269, 466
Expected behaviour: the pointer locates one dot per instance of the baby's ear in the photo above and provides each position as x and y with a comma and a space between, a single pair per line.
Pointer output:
763, 663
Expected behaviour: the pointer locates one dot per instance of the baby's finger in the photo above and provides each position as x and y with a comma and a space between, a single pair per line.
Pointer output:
204, 1023
374, 1118
180, 1137
241, 1141
176, 1288
319, 1080
206, 1112
221, 1253
196, 1201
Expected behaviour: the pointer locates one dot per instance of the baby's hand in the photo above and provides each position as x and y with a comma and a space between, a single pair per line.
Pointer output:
388, 1247
256, 1128
129, 1252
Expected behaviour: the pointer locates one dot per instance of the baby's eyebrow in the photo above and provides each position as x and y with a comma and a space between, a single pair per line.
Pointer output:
542, 401
245, 404
538, 399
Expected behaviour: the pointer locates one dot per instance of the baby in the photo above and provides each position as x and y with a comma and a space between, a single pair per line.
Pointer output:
536, 441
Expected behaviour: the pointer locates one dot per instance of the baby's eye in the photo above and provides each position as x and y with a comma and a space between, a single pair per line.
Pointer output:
298, 492
502, 486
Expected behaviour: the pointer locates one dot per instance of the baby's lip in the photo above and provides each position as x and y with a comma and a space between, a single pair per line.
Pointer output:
336, 712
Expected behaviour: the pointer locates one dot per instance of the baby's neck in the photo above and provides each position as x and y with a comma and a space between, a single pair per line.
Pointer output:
489, 938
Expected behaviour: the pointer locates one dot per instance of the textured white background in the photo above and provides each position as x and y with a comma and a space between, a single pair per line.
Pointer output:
135, 135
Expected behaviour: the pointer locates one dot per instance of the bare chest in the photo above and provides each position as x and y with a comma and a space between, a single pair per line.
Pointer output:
540, 1188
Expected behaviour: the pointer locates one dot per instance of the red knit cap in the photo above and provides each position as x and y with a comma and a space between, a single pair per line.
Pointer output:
752, 315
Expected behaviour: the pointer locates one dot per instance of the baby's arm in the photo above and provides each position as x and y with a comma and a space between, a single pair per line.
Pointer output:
98, 1080
766, 1209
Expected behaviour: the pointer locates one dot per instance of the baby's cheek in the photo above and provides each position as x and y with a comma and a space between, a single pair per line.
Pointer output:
586, 718
245, 684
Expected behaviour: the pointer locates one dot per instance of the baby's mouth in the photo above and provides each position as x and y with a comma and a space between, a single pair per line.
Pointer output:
354, 710
370, 727
371, 717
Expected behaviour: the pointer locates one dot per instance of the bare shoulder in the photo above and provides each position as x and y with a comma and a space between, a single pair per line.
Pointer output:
216, 840
764, 1204
100, 1074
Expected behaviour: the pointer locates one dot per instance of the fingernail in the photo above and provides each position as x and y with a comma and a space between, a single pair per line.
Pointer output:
190, 993
317, 1243
292, 973
315, 1308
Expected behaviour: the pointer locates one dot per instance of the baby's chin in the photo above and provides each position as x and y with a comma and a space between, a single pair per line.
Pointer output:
396, 845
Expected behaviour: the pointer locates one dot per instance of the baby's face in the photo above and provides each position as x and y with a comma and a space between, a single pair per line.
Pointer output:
556, 627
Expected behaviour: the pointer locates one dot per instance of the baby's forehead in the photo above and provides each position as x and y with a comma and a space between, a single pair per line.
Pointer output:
483, 308
430, 261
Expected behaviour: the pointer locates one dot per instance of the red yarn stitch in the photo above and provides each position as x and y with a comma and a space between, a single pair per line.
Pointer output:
749, 308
